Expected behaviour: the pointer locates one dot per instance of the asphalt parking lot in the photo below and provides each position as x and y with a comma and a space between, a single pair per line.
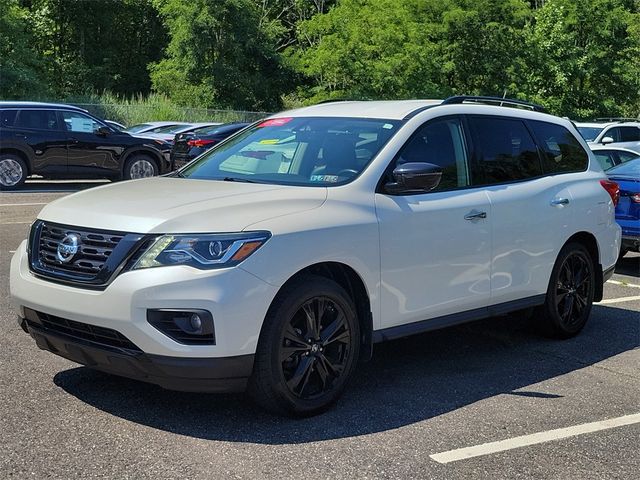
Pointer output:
490, 399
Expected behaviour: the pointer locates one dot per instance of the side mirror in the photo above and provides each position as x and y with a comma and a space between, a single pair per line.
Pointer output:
414, 177
606, 140
103, 131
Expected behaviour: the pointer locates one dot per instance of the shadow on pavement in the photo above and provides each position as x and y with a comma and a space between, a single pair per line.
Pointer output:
629, 265
407, 381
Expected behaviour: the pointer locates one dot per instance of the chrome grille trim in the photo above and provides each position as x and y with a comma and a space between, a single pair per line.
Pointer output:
101, 254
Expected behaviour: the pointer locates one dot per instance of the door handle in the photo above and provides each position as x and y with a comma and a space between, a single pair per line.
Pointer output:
475, 215
560, 201
73, 140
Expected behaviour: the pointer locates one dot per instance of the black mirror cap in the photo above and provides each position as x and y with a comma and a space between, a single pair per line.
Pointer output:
414, 177
103, 130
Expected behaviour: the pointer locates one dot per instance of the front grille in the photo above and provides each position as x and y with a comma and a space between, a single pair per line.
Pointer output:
99, 256
94, 249
98, 336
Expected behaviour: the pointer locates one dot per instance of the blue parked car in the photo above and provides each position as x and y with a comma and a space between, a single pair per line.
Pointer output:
627, 175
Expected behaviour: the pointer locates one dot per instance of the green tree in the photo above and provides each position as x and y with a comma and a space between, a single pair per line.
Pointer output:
583, 57
218, 56
21, 69
372, 49
482, 46
95, 45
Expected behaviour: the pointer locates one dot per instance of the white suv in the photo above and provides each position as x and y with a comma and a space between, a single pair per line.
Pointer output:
275, 261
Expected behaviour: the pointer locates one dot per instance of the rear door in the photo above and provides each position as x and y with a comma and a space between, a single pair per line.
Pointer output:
41, 131
528, 169
435, 247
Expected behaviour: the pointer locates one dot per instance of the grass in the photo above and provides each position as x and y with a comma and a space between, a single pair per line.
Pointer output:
154, 107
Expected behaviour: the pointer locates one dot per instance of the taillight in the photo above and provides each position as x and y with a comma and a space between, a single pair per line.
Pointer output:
612, 189
635, 197
200, 142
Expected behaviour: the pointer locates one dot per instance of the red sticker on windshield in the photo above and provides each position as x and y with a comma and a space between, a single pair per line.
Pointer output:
275, 122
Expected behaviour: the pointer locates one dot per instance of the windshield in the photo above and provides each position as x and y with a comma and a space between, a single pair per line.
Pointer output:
296, 151
589, 133
137, 128
214, 129
627, 169
171, 128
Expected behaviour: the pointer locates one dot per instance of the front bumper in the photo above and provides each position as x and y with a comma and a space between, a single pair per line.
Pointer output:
227, 374
237, 300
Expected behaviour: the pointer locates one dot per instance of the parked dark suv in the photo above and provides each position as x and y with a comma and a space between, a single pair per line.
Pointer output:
62, 141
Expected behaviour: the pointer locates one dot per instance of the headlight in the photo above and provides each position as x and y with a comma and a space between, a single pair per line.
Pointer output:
204, 251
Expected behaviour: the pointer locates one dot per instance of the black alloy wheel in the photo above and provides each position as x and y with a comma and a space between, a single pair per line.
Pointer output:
570, 294
573, 289
315, 348
308, 348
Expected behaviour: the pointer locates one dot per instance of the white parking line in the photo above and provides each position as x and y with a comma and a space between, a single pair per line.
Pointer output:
615, 282
533, 439
617, 300
15, 223
20, 204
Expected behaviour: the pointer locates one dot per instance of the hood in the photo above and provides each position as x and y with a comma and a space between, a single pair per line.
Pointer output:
178, 205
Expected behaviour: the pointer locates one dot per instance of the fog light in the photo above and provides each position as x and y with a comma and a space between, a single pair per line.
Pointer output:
196, 323
190, 327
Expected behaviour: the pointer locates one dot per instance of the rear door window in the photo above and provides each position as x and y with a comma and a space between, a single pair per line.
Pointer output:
37, 119
504, 151
561, 151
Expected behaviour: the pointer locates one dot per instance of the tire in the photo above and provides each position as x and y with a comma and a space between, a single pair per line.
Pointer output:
570, 293
296, 377
13, 171
140, 165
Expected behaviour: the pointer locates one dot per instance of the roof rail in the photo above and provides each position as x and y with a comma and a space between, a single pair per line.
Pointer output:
616, 119
502, 102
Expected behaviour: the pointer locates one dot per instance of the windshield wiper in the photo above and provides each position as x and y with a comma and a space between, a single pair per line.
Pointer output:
236, 179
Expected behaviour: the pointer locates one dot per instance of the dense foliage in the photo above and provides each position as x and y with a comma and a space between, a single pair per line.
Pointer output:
579, 58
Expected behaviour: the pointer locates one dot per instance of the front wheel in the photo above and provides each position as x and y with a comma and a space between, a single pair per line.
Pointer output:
308, 348
570, 293
140, 166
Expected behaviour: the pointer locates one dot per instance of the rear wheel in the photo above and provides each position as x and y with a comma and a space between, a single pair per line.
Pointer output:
13, 171
140, 166
570, 293
308, 348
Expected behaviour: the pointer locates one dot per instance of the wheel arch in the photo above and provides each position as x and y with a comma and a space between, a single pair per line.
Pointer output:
153, 154
589, 241
352, 282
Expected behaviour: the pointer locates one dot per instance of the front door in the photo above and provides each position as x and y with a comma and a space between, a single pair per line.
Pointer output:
435, 247
90, 153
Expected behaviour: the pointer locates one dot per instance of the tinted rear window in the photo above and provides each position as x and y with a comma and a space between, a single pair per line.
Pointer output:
504, 149
7, 117
561, 150
37, 119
